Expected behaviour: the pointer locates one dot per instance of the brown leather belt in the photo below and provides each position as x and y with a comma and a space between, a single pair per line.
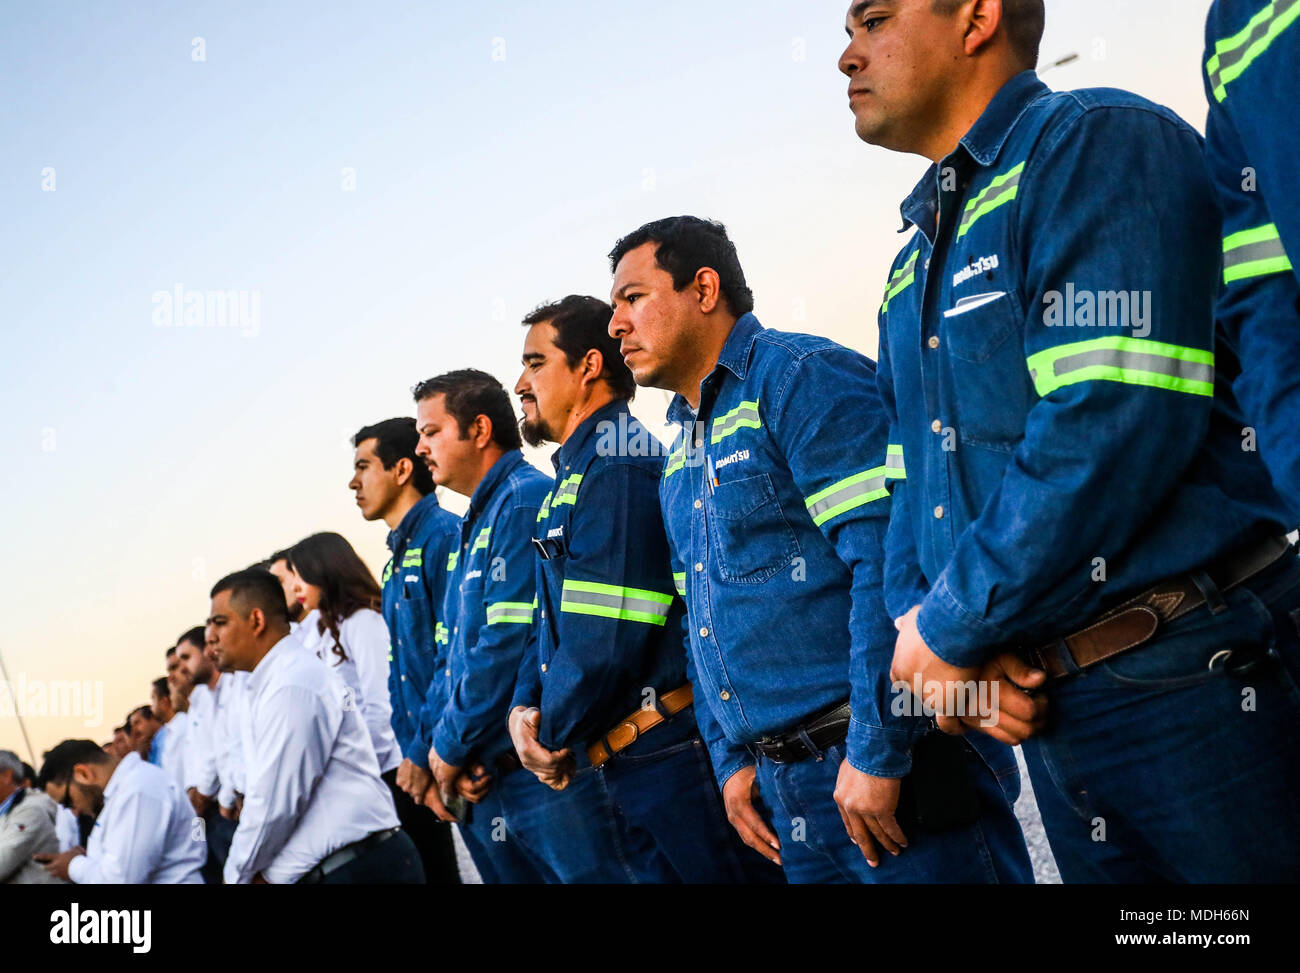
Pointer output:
1135, 622
628, 730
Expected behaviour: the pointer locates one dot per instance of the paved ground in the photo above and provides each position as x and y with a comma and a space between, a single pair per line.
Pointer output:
1026, 810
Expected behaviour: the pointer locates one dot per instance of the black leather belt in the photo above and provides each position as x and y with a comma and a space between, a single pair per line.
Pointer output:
348, 853
810, 738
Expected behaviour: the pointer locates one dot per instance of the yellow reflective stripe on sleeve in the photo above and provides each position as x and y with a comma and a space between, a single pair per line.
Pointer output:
902, 278
510, 613
999, 192
894, 468
743, 416
1132, 361
1254, 253
1233, 55
481, 541
848, 494
615, 601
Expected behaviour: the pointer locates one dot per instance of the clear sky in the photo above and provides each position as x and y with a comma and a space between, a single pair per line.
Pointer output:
388, 188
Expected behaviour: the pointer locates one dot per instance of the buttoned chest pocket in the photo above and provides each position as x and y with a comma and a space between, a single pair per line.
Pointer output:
752, 538
990, 380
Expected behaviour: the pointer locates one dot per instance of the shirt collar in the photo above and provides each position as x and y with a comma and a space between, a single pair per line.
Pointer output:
983, 143
398, 536
260, 674
9, 801
502, 468
124, 769
734, 357
578, 439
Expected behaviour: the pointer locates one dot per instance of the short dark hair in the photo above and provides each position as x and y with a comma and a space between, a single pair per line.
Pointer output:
581, 324
685, 244
468, 394
146, 712
29, 773
161, 688
1024, 21
254, 588
281, 555
194, 636
396, 439
57, 768
169, 651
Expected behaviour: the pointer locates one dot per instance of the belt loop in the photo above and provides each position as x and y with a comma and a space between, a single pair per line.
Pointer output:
659, 708
807, 742
1213, 596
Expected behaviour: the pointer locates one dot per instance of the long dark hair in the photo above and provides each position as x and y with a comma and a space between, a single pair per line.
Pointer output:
328, 561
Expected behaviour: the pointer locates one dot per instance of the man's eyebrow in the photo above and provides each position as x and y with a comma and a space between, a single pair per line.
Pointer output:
626, 287
859, 8
531, 356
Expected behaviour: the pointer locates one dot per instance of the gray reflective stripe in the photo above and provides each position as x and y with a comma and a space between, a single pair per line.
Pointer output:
1242, 47
1249, 254
731, 422
842, 496
619, 603
999, 191
894, 465
1135, 361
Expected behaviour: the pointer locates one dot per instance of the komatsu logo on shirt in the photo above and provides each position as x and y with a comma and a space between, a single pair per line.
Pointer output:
738, 456
981, 266
473, 574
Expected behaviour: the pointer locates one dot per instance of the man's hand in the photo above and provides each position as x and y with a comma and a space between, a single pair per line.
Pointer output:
738, 795
413, 779
554, 768
867, 806
230, 813
475, 784
917, 667
201, 802
1018, 715
442, 786
57, 865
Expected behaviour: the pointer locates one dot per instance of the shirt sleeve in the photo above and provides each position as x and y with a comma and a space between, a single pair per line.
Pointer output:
19, 844
300, 729
200, 758
837, 453
905, 584
485, 688
132, 846
617, 593
1119, 418
366, 641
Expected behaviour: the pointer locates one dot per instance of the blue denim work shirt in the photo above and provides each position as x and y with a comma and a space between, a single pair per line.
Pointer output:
491, 595
1055, 465
1252, 75
775, 502
608, 635
414, 588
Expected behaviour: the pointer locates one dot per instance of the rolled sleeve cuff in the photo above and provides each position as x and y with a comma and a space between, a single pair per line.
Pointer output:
879, 751
728, 762
952, 633
451, 751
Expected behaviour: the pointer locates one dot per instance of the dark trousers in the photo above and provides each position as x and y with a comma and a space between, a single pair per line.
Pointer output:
218, 832
432, 837
392, 862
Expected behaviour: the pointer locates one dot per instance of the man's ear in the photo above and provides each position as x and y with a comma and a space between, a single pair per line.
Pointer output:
83, 774
708, 288
982, 23
593, 364
403, 470
481, 431
257, 619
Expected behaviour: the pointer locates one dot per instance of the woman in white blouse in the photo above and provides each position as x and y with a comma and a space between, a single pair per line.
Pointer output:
342, 625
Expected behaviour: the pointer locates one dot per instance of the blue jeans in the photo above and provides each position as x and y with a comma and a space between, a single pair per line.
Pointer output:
797, 800
1159, 766
395, 861
498, 854
218, 832
671, 822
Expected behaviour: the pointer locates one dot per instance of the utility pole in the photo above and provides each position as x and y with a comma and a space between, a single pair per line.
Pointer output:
18, 712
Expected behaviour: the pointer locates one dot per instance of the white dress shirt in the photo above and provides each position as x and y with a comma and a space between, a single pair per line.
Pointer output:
313, 780
200, 766
365, 640
175, 743
67, 828
146, 834
227, 739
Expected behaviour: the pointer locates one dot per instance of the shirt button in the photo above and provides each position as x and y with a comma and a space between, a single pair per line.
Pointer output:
543, 667
938, 513
725, 695
403, 679
936, 426
543, 615
698, 505
927, 263
934, 341
448, 672
698, 567
704, 633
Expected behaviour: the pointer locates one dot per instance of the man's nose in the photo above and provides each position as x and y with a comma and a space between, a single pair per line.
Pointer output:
850, 62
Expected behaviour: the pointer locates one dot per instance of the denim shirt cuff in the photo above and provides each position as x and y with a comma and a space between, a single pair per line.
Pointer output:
449, 750
953, 634
417, 751
879, 751
728, 768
